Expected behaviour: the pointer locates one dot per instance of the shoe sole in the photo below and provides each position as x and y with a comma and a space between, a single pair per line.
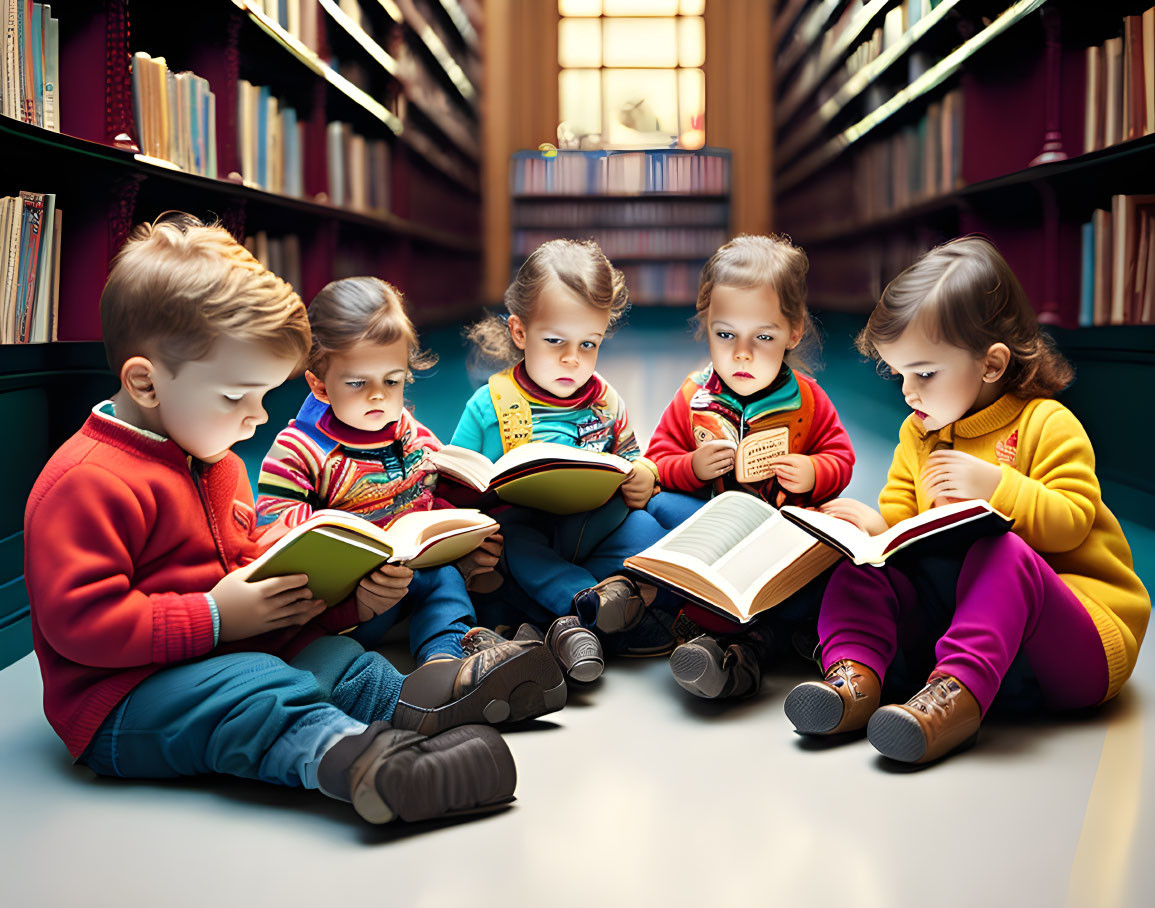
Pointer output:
897, 734
465, 770
527, 686
585, 671
814, 708
696, 672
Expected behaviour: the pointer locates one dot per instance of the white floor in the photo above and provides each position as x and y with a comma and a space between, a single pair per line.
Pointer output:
635, 794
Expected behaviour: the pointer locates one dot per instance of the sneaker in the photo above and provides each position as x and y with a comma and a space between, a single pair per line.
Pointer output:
942, 717
508, 682
612, 606
651, 637
843, 701
387, 773
577, 649
706, 669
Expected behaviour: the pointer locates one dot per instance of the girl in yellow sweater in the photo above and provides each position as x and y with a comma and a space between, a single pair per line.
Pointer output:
1050, 615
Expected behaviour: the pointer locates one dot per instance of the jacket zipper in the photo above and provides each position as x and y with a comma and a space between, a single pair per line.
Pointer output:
197, 479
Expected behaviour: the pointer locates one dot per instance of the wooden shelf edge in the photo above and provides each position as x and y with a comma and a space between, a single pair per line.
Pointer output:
389, 223
1036, 174
928, 81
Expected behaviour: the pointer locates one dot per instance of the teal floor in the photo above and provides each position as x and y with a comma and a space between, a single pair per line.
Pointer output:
635, 794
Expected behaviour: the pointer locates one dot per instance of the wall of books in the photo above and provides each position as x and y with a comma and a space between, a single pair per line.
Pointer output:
657, 214
901, 123
348, 125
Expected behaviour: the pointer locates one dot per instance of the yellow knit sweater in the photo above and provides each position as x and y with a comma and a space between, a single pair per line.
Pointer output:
1050, 490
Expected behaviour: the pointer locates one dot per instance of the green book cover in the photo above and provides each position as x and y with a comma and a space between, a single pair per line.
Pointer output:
334, 558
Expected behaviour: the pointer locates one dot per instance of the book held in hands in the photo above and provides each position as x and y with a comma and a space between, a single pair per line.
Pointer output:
740, 556
336, 549
539, 474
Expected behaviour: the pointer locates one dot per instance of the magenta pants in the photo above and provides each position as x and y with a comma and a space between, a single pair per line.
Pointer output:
1007, 600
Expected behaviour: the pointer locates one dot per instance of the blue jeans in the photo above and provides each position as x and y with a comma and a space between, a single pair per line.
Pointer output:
548, 578
246, 714
669, 509
439, 615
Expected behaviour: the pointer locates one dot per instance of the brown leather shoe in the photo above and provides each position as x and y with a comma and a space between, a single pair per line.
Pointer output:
939, 719
612, 606
507, 682
843, 701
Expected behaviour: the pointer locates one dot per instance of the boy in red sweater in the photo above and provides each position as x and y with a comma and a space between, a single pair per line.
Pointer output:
159, 657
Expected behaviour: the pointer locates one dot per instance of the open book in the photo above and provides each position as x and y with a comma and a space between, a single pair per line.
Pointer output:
539, 474
336, 549
974, 517
737, 555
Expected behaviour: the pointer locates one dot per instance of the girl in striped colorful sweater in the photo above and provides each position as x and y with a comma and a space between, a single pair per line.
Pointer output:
354, 446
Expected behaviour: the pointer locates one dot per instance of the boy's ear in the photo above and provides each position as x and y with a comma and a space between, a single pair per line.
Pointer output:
316, 386
136, 377
995, 363
517, 331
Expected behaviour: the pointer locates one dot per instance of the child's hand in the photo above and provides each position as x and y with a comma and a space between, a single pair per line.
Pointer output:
861, 515
713, 459
482, 560
956, 476
638, 487
382, 590
248, 609
795, 472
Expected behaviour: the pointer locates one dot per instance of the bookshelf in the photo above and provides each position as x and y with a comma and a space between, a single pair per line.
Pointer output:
405, 74
900, 124
657, 214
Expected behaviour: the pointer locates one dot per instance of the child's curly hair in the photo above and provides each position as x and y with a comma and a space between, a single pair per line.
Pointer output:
355, 309
965, 294
578, 264
749, 261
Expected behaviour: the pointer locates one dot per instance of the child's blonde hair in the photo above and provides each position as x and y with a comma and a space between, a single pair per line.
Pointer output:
355, 309
580, 265
965, 294
177, 285
749, 261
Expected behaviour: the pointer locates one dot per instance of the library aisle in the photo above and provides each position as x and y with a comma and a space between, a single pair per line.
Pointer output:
634, 794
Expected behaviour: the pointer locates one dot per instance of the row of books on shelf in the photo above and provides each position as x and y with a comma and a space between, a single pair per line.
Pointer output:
175, 114
656, 242
29, 268
271, 140
300, 18
1118, 273
662, 283
623, 213
30, 63
280, 254
359, 170
919, 162
1120, 86
705, 172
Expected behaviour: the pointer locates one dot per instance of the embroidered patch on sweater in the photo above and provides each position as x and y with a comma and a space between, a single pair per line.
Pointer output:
1005, 450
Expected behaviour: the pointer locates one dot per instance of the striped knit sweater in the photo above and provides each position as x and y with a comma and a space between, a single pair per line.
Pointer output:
320, 462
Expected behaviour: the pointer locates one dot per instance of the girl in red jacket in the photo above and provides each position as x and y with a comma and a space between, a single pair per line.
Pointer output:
752, 309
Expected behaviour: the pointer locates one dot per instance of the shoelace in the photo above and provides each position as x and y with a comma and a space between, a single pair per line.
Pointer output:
937, 697
844, 671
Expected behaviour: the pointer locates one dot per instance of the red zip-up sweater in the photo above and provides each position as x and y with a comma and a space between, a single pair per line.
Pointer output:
124, 534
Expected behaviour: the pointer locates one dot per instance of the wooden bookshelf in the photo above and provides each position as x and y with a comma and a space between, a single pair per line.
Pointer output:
659, 237
871, 170
408, 75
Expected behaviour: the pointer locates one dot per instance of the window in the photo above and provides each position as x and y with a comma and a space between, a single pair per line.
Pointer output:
631, 72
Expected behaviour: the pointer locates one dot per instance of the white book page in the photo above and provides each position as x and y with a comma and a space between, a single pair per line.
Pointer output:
865, 548
551, 450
